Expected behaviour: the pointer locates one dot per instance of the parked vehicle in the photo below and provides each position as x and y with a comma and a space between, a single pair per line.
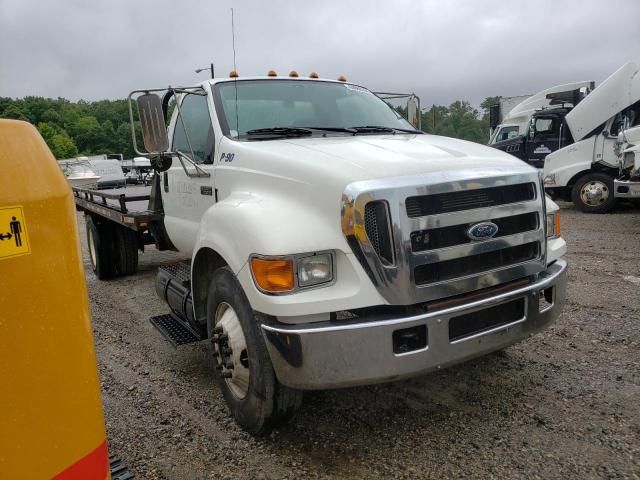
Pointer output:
332, 244
109, 167
536, 127
511, 118
585, 172
78, 172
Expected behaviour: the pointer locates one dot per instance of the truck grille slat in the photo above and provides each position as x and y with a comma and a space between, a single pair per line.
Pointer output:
474, 264
423, 205
376, 224
457, 234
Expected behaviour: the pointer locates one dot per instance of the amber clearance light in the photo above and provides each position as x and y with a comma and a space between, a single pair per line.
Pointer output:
273, 275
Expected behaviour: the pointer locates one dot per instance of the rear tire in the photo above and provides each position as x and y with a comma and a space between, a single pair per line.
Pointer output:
101, 244
126, 250
593, 193
258, 402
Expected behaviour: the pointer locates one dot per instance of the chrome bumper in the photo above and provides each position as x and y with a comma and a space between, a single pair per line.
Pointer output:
342, 354
626, 189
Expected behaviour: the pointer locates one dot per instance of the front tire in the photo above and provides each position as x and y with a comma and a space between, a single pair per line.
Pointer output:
239, 356
593, 193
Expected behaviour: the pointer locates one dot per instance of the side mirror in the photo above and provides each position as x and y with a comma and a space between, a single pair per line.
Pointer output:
620, 140
154, 133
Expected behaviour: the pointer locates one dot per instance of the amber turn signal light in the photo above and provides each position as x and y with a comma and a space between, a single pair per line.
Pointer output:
273, 275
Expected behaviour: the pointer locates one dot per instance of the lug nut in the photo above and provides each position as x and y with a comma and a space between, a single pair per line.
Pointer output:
224, 337
229, 365
227, 351
227, 374
218, 330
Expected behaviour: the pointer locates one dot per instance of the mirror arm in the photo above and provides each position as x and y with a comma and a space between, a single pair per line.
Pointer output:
184, 127
200, 171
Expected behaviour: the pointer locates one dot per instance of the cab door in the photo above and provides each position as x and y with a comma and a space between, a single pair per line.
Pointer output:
545, 139
188, 192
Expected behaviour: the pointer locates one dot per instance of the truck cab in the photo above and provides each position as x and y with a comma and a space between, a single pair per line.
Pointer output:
332, 244
546, 132
511, 117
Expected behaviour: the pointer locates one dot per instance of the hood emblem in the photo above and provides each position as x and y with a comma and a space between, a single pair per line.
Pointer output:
482, 231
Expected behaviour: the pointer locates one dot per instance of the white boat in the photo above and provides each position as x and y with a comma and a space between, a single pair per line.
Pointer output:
79, 172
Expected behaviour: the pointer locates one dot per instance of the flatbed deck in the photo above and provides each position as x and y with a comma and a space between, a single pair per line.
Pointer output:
128, 206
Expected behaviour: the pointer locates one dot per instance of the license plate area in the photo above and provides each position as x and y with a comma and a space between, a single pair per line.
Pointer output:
483, 321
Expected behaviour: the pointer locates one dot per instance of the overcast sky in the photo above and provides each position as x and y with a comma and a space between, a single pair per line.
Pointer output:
443, 50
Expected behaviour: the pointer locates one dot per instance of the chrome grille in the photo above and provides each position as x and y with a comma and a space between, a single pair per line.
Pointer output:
470, 199
433, 256
474, 264
457, 234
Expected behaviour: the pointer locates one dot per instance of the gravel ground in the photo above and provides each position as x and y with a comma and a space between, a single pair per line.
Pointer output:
563, 404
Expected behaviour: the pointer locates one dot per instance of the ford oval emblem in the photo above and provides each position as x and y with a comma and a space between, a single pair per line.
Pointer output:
482, 231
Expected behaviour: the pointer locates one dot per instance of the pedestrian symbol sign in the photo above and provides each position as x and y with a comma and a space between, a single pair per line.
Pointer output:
13, 233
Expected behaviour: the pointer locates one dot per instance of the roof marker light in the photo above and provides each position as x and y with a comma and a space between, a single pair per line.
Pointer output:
342, 78
313, 75
293, 74
272, 73
233, 74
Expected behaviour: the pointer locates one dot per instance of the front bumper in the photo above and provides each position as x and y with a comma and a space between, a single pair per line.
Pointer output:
626, 189
342, 354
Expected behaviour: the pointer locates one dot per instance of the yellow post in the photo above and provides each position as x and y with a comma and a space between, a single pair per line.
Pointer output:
51, 420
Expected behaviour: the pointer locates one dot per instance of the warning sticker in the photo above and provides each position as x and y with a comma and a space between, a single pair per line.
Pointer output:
13, 233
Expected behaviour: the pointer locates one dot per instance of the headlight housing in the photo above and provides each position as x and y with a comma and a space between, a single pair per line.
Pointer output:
279, 275
553, 224
315, 270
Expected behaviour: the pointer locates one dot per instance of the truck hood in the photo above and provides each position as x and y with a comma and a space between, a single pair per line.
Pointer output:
365, 157
615, 94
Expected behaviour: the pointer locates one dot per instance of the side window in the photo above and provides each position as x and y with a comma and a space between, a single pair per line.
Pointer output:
195, 114
544, 126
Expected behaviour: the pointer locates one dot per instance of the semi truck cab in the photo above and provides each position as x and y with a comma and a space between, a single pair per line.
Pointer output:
547, 132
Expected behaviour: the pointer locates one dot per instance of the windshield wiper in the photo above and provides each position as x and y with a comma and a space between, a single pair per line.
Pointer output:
281, 131
334, 129
379, 129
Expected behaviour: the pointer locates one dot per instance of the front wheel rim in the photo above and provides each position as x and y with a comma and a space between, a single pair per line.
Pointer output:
594, 193
230, 349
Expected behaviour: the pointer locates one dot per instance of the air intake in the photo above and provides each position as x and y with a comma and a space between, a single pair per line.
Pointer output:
376, 224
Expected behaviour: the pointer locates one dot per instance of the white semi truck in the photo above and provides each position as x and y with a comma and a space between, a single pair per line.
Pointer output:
588, 172
332, 244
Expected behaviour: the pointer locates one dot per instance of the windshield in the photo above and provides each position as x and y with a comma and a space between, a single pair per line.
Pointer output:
505, 133
269, 104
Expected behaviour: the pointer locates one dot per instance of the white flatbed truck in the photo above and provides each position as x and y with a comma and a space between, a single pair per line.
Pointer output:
331, 243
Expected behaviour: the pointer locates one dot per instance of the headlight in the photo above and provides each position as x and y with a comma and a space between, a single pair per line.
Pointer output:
288, 274
550, 179
553, 225
315, 270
